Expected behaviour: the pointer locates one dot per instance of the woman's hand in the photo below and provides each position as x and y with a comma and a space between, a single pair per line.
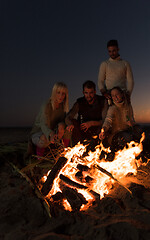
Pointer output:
106, 95
102, 134
70, 128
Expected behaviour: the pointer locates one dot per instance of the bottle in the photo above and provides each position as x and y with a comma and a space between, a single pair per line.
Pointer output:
81, 119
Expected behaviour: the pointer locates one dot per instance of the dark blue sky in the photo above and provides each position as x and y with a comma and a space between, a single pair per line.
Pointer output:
43, 42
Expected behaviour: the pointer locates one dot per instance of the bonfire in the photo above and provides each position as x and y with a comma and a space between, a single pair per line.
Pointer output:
79, 179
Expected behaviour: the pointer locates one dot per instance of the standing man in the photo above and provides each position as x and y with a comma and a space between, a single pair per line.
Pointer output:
86, 116
115, 72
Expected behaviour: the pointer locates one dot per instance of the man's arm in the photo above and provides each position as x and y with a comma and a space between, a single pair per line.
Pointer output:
101, 80
108, 122
130, 79
71, 114
102, 77
85, 126
104, 110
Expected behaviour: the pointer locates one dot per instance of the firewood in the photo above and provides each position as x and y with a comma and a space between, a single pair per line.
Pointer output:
71, 182
74, 190
82, 167
88, 179
82, 198
111, 176
74, 198
57, 197
53, 174
79, 176
95, 195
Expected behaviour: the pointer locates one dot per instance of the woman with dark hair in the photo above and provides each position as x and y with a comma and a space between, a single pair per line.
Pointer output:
119, 126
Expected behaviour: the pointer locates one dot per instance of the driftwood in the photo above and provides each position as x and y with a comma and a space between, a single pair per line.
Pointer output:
53, 174
36, 190
71, 182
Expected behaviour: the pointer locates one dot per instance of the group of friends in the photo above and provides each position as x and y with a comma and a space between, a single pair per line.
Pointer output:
108, 116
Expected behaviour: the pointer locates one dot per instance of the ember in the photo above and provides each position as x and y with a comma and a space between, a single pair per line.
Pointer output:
79, 179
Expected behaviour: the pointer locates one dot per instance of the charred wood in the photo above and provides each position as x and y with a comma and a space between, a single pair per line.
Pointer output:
111, 176
71, 182
53, 174
79, 176
88, 179
82, 198
95, 195
82, 167
74, 198
103, 155
58, 196
73, 190
91, 144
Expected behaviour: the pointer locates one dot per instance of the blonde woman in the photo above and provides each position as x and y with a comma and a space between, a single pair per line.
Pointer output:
49, 125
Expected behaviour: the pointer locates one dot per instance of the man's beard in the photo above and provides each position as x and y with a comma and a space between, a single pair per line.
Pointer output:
91, 100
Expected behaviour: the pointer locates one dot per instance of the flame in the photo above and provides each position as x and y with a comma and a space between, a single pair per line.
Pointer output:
124, 162
102, 130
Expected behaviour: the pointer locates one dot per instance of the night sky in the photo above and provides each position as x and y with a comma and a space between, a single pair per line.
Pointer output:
43, 42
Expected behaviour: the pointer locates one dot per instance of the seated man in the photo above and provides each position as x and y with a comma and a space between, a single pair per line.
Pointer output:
89, 110
119, 126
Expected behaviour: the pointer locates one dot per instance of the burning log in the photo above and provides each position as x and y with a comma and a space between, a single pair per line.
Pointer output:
57, 197
74, 198
95, 195
79, 176
77, 185
111, 176
89, 179
53, 174
71, 182
82, 167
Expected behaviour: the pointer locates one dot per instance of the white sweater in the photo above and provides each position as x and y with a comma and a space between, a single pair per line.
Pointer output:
115, 73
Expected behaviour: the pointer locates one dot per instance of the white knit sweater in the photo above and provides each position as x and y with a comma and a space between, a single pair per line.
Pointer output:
115, 73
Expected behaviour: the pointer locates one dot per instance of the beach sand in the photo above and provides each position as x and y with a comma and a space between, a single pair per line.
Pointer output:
14, 135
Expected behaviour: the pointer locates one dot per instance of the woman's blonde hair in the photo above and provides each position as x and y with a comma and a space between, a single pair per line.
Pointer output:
60, 86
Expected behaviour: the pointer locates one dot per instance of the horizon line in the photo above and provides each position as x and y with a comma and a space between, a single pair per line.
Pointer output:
27, 126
